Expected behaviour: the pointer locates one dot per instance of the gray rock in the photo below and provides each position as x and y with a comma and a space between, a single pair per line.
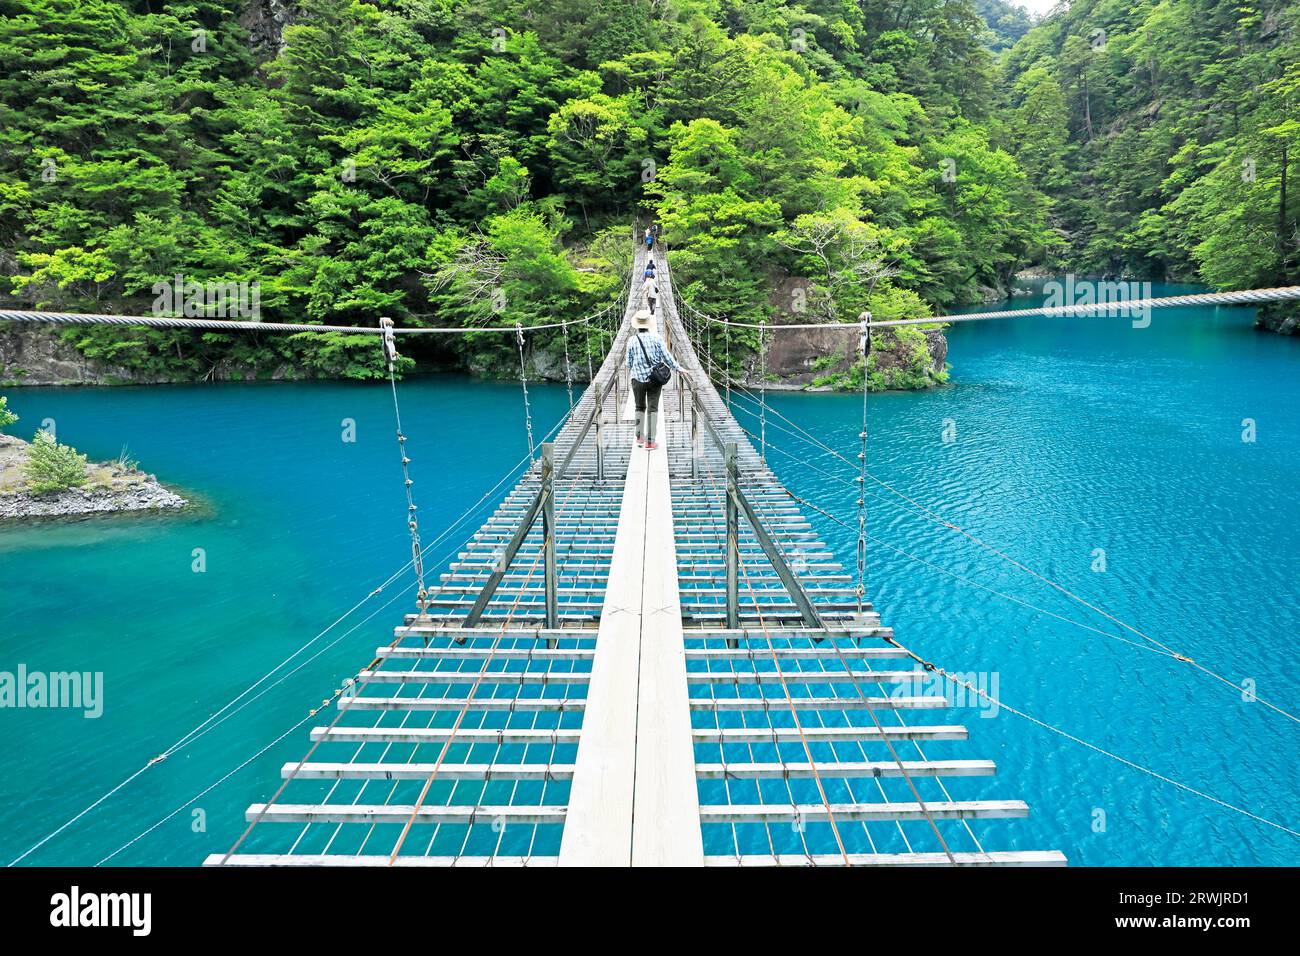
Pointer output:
125, 492
1280, 317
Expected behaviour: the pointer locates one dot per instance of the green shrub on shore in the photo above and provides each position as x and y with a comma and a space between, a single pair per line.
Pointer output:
7, 417
51, 466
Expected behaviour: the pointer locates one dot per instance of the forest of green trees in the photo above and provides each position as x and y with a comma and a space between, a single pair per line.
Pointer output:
1163, 132
482, 161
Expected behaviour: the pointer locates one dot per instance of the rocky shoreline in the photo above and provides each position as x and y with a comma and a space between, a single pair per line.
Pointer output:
1282, 318
110, 488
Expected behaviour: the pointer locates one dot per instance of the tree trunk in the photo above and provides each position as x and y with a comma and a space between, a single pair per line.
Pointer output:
1282, 240
1087, 105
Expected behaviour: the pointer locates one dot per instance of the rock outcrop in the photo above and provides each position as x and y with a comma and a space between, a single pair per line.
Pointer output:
265, 21
810, 359
36, 355
109, 488
32, 354
1280, 317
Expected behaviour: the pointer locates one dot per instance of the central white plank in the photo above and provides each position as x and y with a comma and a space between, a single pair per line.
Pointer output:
666, 806
633, 800
598, 825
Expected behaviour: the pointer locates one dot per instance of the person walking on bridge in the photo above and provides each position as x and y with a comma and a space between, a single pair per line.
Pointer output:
650, 289
647, 359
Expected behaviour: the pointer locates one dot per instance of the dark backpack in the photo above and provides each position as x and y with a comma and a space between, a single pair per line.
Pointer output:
660, 373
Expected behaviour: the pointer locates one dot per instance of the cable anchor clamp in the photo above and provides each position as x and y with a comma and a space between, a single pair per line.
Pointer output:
389, 341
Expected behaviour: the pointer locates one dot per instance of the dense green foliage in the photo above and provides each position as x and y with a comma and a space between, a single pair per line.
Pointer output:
1007, 22
474, 161
51, 466
1166, 131
7, 417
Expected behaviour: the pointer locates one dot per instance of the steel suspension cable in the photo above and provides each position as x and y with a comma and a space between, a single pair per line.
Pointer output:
523, 383
412, 521
568, 369
587, 332
250, 325
1122, 307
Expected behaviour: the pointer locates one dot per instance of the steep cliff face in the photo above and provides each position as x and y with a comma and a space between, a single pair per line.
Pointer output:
804, 358
35, 355
265, 21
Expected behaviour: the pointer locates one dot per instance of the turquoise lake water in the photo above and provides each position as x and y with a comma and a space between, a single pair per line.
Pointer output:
1066, 436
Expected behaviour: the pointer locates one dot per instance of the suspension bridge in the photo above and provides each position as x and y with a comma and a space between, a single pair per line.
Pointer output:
644, 657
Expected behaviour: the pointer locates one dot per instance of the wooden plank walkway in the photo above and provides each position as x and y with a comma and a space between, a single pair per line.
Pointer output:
636, 762
598, 829
640, 729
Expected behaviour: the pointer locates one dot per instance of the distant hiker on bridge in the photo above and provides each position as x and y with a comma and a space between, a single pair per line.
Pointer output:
650, 289
651, 366
649, 238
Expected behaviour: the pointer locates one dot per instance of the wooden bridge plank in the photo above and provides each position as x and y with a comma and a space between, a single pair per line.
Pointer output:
665, 826
598, 826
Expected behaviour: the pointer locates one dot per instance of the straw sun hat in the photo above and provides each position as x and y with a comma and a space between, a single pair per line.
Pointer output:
641, 319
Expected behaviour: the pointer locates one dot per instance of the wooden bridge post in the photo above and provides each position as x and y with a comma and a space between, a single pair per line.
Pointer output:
733, 543
548, 533
600, 447
695, 435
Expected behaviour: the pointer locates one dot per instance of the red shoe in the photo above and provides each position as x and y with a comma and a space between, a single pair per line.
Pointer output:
650, 446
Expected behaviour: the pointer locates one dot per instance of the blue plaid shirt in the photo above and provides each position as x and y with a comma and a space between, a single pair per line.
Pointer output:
654, 348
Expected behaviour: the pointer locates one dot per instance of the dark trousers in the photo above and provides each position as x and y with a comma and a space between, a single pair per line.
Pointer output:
646, 396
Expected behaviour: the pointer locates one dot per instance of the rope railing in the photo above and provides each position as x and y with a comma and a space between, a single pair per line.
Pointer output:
251, 325
1112, 307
